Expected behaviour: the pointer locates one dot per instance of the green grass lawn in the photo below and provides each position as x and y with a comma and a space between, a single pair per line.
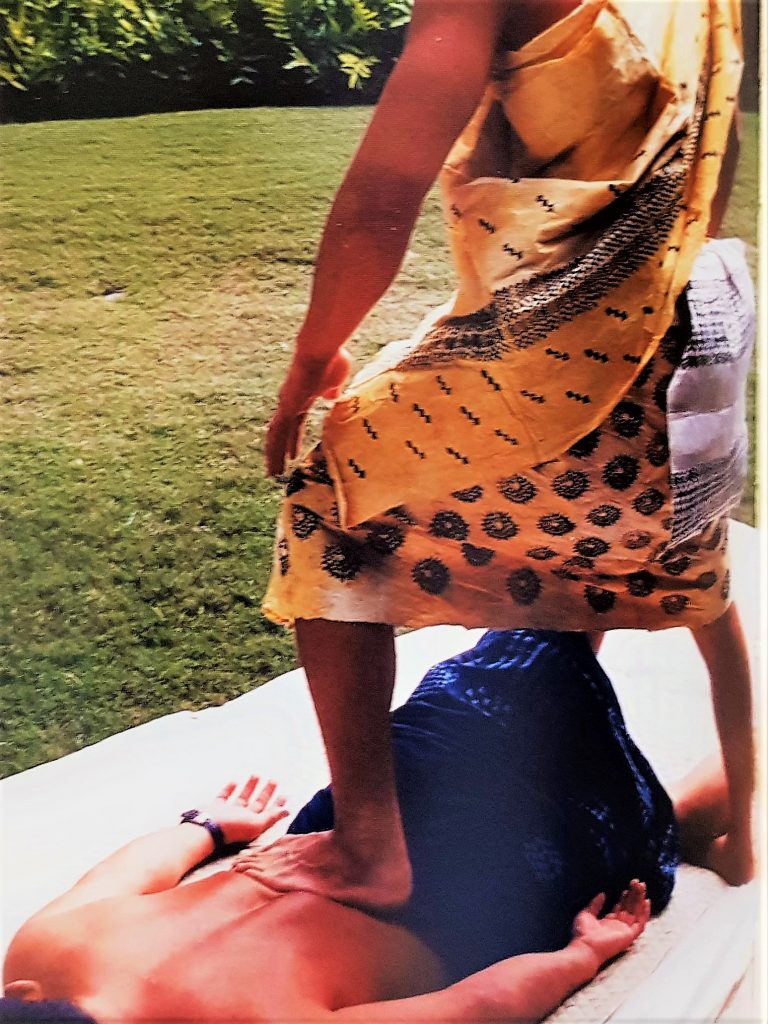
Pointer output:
155, 271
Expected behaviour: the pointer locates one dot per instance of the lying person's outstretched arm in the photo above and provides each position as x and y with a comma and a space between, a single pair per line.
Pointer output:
161, 859
527, 987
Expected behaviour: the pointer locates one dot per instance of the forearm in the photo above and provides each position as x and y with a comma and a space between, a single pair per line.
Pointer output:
727, 177
153, 862
433, 91
523, 988
364, 243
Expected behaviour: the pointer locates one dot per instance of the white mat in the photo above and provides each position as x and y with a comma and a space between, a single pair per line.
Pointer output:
93, 801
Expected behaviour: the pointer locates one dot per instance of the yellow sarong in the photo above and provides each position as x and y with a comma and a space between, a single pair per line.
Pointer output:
577, 200
510, 466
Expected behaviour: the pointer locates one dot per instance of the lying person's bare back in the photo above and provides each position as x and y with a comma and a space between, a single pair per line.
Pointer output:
218, 949
501, 869
224, 949
129, 943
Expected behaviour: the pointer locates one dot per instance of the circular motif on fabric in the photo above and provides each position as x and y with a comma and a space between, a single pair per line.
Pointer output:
707, 580
627, 418
573, 568
604, 515
648, 502
592, 547
660, 391
641, 584
343, 563
304, 521
384, 538
571, 484
524, 586
636, 539
586, 445
499, 525
475, 555
676, 565
621, 472
725, 590
296, 482
643, 377
450, 525
518, 489
541, 554
675, 604
599, 599
555, 525
469, 494
432, 575
657, 449
283, 559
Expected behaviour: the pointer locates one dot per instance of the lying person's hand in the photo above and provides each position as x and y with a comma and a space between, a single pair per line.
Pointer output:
248, 814
613, 934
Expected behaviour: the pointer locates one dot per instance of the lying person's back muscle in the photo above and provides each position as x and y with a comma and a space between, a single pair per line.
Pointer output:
213, 950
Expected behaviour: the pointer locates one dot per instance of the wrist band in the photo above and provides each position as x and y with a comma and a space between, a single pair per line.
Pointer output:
192, 817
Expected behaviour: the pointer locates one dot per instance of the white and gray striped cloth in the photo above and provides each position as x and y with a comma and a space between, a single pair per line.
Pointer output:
706, 400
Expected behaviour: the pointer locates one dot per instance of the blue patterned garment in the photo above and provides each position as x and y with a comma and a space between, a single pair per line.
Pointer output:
522, 797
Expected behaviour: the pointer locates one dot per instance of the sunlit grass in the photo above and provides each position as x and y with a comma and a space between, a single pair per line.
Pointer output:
154, 272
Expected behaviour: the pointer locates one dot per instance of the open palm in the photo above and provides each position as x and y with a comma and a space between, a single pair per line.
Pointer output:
614, 933
245, 815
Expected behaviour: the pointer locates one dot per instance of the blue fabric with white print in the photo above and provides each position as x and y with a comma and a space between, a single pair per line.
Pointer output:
522, 797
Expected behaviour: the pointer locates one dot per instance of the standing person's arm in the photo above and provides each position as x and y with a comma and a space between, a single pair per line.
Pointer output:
727, 177
429, 98
527, 987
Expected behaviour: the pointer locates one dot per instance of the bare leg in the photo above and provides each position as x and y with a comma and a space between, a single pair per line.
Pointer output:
701, 809
724, 650
350, 667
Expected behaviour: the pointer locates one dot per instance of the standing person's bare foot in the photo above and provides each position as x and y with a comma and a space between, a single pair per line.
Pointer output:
366, 875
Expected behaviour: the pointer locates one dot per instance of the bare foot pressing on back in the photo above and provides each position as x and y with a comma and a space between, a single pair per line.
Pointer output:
369, 878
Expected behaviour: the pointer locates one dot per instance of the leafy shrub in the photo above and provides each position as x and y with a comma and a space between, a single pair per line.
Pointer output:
325, 38
52, 40
64, 58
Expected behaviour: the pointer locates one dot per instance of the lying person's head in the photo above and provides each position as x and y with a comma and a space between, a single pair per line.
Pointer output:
50, 1011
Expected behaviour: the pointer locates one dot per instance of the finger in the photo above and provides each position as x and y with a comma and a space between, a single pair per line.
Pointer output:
645, 913
620, 904
264, 796
296, 435
275, 815
597, 904
247, 791
227, 791
276, 444
632, 898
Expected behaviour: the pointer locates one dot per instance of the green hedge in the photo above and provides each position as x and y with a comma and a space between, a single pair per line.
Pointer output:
76, 55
